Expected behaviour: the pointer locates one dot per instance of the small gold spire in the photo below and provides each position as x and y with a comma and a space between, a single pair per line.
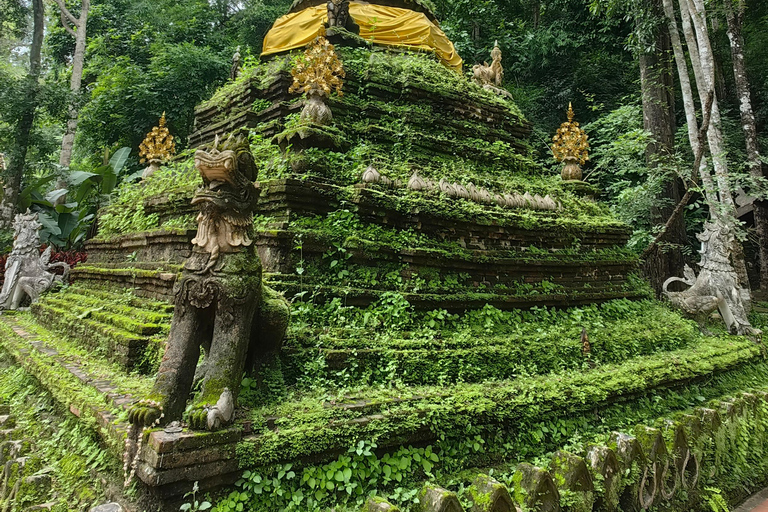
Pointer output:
571, 141
319, 72
158, 144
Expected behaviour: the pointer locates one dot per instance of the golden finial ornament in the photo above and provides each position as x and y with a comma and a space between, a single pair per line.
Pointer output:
570, 145
317, 74
158, 147
158, 144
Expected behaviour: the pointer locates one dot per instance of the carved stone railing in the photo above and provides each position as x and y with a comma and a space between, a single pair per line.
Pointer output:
663, 467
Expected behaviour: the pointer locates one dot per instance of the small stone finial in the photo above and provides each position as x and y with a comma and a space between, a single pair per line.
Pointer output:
571, 145
371, 175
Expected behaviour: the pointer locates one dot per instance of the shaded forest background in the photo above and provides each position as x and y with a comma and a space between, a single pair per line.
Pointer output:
146, 57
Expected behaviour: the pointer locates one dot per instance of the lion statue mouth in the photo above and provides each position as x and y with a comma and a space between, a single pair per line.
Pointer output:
226, 198
217, 167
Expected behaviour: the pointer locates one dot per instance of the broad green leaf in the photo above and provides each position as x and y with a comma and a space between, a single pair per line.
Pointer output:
117, 162
55, 195
78, 177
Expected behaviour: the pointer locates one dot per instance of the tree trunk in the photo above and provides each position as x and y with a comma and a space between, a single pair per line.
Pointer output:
78, 61
18, 153
657, 87
693, 49
735, 21
689, 104
705, 82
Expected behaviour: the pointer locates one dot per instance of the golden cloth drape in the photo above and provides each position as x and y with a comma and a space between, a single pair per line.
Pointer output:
378, 23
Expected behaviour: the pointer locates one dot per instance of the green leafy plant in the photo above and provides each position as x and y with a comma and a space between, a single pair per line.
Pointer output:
65, 225
194, 505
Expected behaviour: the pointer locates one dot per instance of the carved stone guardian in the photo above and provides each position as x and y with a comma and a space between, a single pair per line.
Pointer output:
338, 13
237, 62
717, 285
492, 75
221, 305
27, 272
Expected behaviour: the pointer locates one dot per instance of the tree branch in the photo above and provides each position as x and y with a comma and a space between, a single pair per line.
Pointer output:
702, 136
66, 13
66, 26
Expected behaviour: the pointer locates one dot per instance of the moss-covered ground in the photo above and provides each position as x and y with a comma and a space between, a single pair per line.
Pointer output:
63, 448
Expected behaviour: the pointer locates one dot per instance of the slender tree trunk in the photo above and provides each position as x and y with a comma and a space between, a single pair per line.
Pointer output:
78, 31
536, 13
735, 21
689, 104
18, 154
657, 87
705, 84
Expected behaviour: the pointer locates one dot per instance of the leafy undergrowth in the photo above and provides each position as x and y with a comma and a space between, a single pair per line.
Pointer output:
125, 213
462, 452
390, 343
59, 444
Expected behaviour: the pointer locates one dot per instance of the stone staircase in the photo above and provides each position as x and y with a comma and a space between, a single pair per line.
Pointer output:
115, 324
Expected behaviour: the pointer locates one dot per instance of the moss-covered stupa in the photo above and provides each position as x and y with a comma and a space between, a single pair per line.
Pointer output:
455, 306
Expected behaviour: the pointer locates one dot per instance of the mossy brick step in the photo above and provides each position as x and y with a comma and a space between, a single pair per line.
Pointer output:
458, 302
486, 360
456, 118
493, 405
505, 231
122, 296
214, 461
482, 109
473, 259
236, 111
170, 206
157, 285
128, 319
86, 395
137, 320
310, 197
118, 345
150, 246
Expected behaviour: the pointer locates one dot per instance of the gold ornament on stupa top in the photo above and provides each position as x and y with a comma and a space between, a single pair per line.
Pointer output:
319, 71
158, 144
570, 145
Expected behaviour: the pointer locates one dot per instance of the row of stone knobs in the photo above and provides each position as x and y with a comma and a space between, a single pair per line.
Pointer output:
658, 469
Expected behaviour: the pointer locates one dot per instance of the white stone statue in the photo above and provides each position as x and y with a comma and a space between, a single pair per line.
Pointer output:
717, 285
27, 272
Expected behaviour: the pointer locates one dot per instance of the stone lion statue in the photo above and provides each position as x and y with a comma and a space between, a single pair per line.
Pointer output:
221, 305
492, 75
28, 273
717, 285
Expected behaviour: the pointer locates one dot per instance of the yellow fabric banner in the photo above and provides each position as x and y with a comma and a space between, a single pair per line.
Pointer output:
378, 23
